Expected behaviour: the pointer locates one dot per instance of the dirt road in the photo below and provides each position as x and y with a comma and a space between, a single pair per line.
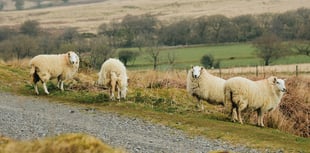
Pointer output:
32, 117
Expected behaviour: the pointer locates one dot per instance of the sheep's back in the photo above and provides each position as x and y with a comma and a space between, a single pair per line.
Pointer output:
52, 64
115, 66
253, 93
213, 87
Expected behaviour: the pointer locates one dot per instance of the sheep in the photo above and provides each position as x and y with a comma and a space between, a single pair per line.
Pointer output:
113, 75
46, 67
262, 95
205, 86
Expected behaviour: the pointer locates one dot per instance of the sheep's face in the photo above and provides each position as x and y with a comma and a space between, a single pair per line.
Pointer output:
280, 84
124, 85
73, 58
196, 71
124, 92
100, 79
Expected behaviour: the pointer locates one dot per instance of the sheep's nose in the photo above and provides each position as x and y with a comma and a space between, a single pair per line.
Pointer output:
284, 90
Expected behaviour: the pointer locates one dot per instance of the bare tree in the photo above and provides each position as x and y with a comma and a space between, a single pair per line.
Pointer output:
114, 32
153, 50
30, 28
269, 48
100, 51
303, 48
19, 46
19, 4
216, 24
127, 55
171, 59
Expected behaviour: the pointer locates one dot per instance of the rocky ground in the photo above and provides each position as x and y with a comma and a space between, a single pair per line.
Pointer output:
33, 117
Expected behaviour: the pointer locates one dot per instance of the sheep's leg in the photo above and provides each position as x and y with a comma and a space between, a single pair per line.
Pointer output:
58, 83
45, 88
61, 85
241, 107
36, 79
238, 110
118, 93
199, 104
233, 114
111, 94
112, 89
260, 121
36, 88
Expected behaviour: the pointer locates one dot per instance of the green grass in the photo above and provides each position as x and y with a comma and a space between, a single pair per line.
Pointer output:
230, 55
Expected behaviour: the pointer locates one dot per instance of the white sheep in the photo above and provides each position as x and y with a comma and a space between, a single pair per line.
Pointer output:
113, 75
204, 86
47, 67
262, 95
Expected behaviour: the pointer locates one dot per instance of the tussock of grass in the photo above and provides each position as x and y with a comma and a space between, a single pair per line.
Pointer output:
67, 143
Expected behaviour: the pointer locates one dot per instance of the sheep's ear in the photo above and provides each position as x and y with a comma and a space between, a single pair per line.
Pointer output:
274, 80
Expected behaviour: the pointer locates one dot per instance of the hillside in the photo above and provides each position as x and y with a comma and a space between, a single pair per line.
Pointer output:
87, 17
160, 97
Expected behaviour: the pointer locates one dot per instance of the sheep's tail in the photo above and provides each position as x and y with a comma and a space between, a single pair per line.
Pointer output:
33, 74
229, 103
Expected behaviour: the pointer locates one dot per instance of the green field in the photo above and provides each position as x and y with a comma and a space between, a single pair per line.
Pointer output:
230, 55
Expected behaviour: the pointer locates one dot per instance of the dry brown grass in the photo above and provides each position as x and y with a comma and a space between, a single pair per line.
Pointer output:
67, 143
292, 116
88, 17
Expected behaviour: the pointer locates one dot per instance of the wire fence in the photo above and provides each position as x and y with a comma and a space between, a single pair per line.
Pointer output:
294, 69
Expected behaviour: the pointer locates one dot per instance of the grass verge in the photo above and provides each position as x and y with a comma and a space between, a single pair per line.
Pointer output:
159, 102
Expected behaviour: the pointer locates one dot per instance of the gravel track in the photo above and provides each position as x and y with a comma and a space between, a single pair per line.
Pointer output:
26, 118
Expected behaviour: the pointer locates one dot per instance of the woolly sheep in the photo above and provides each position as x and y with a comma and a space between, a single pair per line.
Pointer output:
113, 75
47, 67
205, 86
262, 95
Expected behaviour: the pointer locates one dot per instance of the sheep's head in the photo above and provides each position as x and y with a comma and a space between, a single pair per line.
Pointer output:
124, 85
73, 57
196, 71
279, 83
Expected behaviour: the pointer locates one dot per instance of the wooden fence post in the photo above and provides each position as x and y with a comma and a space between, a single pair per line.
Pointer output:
220, 71
296, 70
256, 70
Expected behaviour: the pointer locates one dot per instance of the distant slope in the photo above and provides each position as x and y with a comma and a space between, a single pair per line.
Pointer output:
87, 17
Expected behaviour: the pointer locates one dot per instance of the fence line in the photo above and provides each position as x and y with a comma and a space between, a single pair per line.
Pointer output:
294, 69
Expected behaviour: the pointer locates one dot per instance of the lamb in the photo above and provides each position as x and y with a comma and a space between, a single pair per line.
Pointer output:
262, 95
205, 86
47, 67
113, 75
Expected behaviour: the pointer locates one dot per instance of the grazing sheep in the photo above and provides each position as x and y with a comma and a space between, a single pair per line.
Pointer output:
262, 95
46, 67
113, 75
205, 86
